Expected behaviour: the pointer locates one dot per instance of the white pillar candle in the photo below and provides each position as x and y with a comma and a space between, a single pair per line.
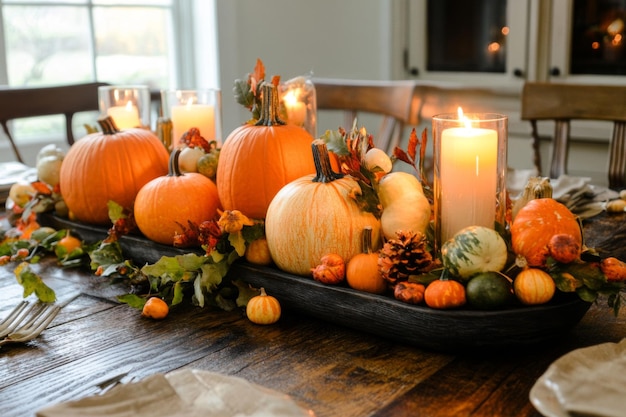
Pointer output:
125, 117
184, 117
468, 175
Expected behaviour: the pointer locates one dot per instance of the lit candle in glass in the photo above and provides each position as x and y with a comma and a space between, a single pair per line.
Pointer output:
125, 117
186, 109
296, 109
470, 166
127, 105
187, 116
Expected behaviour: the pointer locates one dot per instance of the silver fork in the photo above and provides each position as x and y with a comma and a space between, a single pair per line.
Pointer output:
27, 321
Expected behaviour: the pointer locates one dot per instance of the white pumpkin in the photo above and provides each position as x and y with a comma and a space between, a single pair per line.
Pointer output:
316, 215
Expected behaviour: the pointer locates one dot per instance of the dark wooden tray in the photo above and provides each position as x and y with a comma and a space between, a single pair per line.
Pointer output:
441, 330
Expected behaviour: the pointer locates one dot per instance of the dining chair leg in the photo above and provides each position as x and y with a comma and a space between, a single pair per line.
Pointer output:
13, 145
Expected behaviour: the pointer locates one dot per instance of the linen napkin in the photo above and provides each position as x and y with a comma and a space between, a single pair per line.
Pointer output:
591, 381
576, 193
183, 393
152, 396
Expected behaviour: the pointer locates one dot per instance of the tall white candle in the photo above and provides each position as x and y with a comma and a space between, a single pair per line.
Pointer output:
125, 117
184, 117
468, 175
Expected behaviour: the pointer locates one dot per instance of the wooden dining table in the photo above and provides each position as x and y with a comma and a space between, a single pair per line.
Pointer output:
330, 369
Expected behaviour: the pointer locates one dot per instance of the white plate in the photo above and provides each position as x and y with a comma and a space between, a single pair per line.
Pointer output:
545, 401
12, 172
587, 381
184, 393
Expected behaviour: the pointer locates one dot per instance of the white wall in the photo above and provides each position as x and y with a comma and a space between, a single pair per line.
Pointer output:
330, 38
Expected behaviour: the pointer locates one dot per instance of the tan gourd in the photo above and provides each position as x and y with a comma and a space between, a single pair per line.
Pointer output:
404, 205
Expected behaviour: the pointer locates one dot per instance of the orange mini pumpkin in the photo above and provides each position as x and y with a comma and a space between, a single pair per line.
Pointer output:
167, 204
534, 286
256, 161
109, 166
445, 294
263, 309
362, 271
535, 225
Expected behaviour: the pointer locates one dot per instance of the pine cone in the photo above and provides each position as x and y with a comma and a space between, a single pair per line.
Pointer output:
404, 256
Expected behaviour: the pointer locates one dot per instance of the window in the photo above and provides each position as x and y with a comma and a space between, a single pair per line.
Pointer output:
470, 36
597, 45
121, 42
481, 42
150, 42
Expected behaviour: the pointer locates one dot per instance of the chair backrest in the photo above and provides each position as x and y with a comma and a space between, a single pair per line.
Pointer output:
565, 102
67, 100
395, 101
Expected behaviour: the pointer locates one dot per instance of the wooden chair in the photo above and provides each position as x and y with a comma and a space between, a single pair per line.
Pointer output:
395, 101
16, 103
565, 102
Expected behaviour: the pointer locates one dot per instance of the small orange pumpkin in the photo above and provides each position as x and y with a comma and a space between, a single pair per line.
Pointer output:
362, 271
167, 204
534, 286
109, 166
263, 309
445, 294
613, 269
256, 161
534, 226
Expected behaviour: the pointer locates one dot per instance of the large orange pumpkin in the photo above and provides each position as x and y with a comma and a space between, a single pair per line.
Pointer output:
536, 223
316, 215
256, 161
167, 204
109, 166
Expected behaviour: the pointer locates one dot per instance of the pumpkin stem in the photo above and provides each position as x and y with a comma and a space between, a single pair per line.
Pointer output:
323, 169
173, 168
108, 125
270, 106
367, 240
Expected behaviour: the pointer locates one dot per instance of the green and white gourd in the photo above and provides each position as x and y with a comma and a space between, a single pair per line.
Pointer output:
472, 250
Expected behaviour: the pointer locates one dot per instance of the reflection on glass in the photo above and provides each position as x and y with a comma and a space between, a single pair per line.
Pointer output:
597, 37
467, 35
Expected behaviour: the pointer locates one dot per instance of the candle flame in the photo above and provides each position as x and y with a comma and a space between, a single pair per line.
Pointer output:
190, 101
290, 98
464, 119
129, 105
